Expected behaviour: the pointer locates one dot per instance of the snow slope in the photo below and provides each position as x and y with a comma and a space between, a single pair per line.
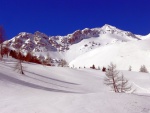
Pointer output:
134, 53
64, 90
144, 37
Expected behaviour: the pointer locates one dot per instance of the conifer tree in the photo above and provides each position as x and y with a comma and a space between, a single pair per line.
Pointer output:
143, 69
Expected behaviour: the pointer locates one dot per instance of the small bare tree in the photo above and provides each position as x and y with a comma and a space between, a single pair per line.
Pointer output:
112, 77
119, 84
63, 63
124, 86
19, 65
143, 69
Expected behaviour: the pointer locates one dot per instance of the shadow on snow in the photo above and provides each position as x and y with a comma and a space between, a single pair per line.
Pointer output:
4, 77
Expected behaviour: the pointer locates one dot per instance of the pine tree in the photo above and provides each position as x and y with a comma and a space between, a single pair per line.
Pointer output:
104, 69
143, 69
93, 66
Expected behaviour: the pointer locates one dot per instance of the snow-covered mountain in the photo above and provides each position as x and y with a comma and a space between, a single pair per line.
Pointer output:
86, 47
40, 42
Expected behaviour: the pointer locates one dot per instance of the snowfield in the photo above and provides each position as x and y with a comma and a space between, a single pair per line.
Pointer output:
124, 54
45, 89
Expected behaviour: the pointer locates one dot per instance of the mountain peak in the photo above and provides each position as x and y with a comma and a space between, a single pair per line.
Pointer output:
107, 26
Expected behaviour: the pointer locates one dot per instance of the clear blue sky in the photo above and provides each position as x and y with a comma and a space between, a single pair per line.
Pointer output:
61, 17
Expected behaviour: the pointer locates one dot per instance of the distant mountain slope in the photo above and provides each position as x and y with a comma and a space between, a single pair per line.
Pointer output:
86, 47
134, 53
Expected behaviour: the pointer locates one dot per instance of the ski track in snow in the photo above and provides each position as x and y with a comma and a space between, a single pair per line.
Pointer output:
147, 90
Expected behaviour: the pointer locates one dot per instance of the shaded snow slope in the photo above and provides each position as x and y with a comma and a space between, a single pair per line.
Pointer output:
46, 89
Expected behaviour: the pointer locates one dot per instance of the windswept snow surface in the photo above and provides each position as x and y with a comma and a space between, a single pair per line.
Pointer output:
46, 89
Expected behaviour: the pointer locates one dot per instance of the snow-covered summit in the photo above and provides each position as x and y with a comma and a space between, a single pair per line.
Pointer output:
108, 27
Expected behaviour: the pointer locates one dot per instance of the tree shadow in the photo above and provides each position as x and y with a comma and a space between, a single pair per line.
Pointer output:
45, 81
46, 77
52, 78
4, 77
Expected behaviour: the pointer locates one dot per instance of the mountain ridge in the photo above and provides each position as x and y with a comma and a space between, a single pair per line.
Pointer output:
61, 43
79, 47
